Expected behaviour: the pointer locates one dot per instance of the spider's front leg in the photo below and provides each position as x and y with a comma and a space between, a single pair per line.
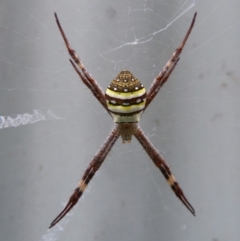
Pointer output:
163, 167
89, 173
168, 68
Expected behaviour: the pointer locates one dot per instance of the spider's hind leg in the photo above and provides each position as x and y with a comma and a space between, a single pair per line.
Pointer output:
81, 70
168, 68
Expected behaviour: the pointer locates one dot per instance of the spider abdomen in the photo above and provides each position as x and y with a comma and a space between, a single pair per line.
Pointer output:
126, 98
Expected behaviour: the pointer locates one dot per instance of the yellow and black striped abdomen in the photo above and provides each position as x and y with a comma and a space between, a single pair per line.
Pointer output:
126, 98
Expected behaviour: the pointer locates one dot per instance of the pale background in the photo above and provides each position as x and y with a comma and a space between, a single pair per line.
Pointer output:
193, 122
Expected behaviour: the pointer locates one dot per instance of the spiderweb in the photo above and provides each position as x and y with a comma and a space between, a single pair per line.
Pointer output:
51, 126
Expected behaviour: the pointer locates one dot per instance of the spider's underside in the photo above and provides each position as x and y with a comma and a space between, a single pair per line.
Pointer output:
125, 100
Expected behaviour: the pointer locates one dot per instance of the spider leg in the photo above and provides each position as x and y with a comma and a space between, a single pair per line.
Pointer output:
82, 71
163, 167
89, 173
168, 68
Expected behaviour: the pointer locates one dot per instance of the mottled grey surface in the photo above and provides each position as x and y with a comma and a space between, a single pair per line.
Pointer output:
194, 121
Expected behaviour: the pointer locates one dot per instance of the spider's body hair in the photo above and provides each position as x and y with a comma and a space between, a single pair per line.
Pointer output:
126, 98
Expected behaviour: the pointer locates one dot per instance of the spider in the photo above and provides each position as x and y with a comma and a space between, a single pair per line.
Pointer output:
124, 100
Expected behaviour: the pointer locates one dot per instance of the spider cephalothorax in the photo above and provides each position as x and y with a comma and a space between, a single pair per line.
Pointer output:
125, 100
